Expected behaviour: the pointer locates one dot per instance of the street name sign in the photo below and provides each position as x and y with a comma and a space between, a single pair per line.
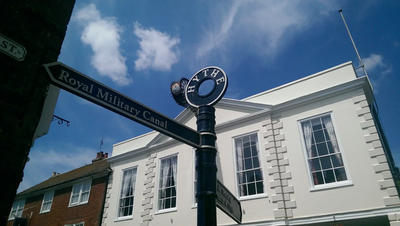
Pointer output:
228, 203
82, 85
12, 48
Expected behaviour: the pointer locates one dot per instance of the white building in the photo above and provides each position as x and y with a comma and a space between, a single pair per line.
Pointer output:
305, 153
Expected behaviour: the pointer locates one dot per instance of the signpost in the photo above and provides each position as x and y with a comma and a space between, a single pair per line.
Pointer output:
79, 84
228, 203
210, 192
12, 48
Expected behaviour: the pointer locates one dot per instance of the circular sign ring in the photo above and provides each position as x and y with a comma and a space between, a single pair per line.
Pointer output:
217, 75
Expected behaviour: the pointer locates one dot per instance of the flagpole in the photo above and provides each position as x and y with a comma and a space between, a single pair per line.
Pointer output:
373, 103
101, 143
354, 45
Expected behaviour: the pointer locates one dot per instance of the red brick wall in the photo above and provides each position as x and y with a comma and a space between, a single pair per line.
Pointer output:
60, 214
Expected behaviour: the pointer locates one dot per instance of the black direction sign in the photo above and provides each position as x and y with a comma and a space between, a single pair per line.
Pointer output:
228, 203
82, 85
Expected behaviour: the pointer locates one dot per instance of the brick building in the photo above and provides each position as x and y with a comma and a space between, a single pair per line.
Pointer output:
74, 198
31, 34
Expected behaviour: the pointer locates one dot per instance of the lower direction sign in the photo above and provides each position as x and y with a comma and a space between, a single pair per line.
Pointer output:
228, 203
82, 85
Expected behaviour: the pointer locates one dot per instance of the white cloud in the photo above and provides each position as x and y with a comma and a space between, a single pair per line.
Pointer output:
375, 61
263, 26
43, 162
214, 39
103, 36
376, 68
158, 50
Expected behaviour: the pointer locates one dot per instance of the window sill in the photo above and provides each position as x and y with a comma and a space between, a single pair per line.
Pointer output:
77, 204
123, 218
166, 211
251, 197
48, 211
331, 186
194, 206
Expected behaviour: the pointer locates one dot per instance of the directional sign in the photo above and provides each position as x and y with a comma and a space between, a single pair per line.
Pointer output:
12, 48
79, 84
228, 203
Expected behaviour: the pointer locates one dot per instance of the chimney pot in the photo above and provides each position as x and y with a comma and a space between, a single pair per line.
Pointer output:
54, 173
106, 155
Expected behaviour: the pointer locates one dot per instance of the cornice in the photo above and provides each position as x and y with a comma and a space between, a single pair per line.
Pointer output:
135, 138
323, 94
266, 109
226, 103
241, 105
300, 80
140, 151
129, 154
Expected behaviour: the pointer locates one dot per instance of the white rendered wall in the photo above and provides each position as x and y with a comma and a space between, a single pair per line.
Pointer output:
113, 199
133, 144
255, 209
47, 112
362, 194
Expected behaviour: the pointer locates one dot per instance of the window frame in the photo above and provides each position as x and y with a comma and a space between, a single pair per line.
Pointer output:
80, 193
43, 202
262, 167
318, 187
128, 217
10, 217
171, 209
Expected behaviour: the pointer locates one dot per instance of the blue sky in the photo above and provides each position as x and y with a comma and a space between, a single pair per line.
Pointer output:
140, 47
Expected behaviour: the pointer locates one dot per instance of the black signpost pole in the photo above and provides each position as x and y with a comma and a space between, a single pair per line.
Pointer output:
206, 168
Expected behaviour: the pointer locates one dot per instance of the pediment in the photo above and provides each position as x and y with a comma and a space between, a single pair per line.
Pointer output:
225, 111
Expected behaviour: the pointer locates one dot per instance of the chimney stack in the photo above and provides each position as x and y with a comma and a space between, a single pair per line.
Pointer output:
100, 155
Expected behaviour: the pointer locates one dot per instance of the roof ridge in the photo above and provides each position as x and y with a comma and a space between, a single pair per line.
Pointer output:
74, 174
